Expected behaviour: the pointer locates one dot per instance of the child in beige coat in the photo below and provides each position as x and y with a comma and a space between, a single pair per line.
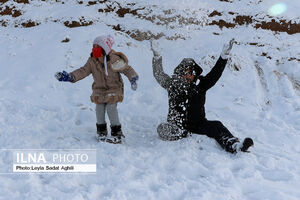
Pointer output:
106, 67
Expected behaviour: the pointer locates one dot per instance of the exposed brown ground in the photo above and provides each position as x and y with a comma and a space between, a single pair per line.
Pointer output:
275, 25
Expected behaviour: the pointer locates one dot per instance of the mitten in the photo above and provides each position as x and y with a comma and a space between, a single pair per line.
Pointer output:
133, 82
63, 76
155, 48
226, 49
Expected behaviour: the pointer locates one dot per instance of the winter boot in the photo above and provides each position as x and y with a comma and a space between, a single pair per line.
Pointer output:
116, 135
101, 132
232, 144
248, 142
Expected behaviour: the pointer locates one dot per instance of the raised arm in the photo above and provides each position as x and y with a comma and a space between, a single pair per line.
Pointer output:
161, 77
214, 75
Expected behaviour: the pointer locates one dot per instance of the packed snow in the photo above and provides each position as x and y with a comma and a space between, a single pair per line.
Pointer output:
258, 96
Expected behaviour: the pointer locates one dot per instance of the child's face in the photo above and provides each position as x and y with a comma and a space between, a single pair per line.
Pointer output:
189, 75
97, 51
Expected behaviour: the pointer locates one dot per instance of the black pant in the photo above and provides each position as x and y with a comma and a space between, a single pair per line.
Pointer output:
216, 130
212, 129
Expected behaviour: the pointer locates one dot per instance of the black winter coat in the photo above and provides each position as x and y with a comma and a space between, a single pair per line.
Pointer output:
186, 100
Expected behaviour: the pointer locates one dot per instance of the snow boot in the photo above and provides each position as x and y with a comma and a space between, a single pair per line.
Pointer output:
248, 142
238, 146
230, 144
116, 135
101, 132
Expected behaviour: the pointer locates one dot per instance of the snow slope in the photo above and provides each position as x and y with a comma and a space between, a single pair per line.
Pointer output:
257, 96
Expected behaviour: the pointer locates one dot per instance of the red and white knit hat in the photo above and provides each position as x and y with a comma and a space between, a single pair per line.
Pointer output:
105, 42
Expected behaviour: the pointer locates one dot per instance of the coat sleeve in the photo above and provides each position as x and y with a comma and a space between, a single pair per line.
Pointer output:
82, 72
214, 75
161, 77
129, 72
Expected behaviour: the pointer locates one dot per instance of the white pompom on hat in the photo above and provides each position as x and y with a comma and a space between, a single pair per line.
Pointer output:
105, 41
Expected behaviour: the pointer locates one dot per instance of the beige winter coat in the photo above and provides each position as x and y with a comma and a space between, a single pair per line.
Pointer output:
106, 89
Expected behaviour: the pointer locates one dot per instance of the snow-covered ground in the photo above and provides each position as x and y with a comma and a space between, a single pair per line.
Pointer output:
257, 96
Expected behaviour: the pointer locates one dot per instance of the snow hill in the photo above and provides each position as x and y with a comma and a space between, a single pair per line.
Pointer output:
257, 96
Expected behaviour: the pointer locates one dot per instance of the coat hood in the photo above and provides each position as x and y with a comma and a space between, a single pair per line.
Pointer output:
187, 63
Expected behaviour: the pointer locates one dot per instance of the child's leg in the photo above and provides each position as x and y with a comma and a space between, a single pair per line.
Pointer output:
113, 115
216, 130
116, 131
101, 124
100, 113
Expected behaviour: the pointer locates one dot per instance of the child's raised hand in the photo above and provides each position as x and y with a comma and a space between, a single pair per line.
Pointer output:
155, 48
226, 49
